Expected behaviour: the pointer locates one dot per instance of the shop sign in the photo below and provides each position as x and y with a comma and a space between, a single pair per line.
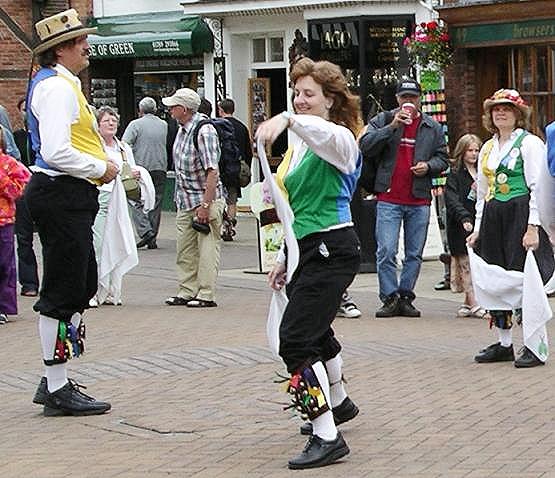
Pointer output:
387, 41
174, 63
503, 33
160, 47
334, 41
113, 49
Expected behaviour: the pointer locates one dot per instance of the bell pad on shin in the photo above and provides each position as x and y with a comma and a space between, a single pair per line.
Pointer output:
502, 319
70, 342
307, 395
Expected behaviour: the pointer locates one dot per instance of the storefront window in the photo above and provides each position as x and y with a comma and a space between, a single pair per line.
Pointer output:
276, 49
533, 76
374, 73
159, 85
259, 50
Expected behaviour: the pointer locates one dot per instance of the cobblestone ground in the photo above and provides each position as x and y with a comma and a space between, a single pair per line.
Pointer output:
193, 394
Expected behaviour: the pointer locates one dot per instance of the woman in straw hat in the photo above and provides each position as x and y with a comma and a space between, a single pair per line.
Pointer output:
63, 201
507, 226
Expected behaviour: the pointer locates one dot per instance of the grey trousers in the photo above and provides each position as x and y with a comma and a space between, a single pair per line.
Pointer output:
148, 224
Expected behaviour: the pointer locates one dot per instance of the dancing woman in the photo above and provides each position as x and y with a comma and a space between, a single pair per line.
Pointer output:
318, 175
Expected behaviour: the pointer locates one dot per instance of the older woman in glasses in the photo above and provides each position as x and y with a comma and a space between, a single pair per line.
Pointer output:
112, 226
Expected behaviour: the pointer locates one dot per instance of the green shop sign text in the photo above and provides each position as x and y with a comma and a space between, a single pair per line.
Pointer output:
503, 32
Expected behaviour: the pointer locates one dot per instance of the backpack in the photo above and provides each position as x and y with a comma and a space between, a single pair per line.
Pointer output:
230, 157
371, 160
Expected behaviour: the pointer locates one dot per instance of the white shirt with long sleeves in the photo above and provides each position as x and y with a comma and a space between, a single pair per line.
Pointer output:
533, 156
55, 105
333, 143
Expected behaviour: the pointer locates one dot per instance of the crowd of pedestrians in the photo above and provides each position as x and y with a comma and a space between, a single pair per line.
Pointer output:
66, 175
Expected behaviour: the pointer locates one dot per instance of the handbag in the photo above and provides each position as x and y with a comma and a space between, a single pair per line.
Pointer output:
244, 174
130, 183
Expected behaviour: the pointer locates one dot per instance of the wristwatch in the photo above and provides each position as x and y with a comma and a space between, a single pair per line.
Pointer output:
205, 205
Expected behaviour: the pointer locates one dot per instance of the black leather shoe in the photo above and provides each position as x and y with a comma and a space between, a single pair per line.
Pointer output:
527, 359
69, 400
495, 353
145, 240
345, 411
152, 244
443, 285
390, 307
406, 309
318, 452
41, 392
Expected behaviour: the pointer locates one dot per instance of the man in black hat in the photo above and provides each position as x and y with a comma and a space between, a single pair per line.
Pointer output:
409, 147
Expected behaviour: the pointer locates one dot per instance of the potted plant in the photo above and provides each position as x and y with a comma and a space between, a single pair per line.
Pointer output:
429, 47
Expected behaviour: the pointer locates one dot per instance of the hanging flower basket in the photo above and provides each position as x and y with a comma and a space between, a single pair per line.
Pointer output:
429, 46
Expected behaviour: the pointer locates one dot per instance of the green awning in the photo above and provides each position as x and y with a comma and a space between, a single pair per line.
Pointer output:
147, 35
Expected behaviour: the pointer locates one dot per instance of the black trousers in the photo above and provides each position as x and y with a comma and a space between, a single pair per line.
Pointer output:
503, 225
64, 209
327, 265
26, 259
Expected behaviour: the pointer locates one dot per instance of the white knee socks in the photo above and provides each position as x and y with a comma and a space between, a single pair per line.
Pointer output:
335, 374
505, 337
56, 375
324, 426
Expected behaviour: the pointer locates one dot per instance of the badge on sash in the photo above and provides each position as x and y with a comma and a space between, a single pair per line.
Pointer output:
504, 188
501, 178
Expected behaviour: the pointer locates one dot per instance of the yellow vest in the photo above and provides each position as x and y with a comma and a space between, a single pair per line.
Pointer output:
84, 133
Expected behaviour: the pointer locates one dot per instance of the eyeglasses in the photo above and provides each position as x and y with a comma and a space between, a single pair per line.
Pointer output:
109, 120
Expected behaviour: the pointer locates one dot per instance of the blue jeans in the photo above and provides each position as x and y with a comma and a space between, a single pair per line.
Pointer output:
415, 221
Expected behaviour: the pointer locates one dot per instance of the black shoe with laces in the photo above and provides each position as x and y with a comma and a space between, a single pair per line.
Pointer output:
319, 452
345, 411
41, 392
69, 400
495, 353
390, 307
527, 359
406, 309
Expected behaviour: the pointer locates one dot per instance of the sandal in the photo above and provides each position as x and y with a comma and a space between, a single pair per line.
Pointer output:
176, 300
478, 313
464, 311
198, 303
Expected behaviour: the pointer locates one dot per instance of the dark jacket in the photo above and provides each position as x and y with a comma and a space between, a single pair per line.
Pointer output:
459, 209
381, 141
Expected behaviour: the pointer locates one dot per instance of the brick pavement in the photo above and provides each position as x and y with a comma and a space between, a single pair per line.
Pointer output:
192, 390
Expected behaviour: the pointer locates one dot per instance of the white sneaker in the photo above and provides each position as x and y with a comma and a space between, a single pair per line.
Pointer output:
348, 310
93, 303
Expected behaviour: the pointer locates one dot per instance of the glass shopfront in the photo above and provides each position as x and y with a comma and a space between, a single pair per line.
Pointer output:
370, 51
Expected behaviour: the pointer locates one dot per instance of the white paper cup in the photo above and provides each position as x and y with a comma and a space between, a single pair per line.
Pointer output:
410, 109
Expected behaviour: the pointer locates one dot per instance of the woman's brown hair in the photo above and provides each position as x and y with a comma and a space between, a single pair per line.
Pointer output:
522, 120
462, 146
345, 109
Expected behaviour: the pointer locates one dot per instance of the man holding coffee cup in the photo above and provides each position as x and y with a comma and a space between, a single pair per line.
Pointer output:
410, 149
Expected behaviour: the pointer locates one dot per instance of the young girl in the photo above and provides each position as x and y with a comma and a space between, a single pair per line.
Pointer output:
13, 177
460, 199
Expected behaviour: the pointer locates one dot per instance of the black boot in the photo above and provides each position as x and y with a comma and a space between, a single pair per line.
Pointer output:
406, 309
390, 307
495, 353
68, 400
527, 359
318, 452
345, 411
41, 392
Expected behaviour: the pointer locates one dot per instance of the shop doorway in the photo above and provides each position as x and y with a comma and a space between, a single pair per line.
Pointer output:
278, 103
